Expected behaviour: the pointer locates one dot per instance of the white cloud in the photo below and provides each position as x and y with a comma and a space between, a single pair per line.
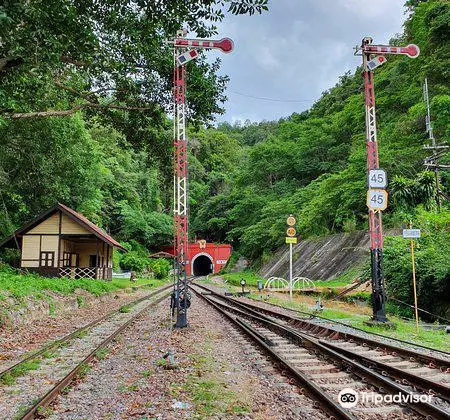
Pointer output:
298, 49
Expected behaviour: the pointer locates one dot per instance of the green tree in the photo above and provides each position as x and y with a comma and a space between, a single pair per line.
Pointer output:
60, 56
45, 161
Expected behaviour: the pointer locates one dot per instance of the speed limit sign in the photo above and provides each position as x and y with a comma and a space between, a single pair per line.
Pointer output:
377, 199
377, 178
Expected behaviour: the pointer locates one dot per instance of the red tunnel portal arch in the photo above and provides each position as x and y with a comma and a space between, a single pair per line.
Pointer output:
206, 258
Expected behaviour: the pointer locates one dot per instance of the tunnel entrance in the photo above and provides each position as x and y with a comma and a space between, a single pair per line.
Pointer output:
202, 266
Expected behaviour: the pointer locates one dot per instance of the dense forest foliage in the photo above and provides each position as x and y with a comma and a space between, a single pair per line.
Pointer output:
85, 100
313, 164
85, 120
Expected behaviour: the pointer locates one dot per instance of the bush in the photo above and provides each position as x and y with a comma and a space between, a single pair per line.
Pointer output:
432, 254
134, 261
160, 268
10, 256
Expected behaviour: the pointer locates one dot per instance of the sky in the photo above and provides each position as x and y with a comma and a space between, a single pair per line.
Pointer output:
296, 51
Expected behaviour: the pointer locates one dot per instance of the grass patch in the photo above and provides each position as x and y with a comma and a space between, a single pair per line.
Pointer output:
44, 412
83, 371
128, 388
20, 286
101, 354
207, 395
80, 301
251, 279
79, 334
146, 373
342, 280
51, 306
406, 331
211, 395
125, 309
140, 282
22, 410
331, 313
47, 354
10, 377
33, 364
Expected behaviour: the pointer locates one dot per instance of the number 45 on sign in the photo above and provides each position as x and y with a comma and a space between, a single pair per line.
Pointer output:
377, 199
377, 178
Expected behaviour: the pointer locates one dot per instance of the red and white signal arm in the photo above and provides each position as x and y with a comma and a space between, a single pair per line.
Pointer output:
411, 50
377, 199
226, 45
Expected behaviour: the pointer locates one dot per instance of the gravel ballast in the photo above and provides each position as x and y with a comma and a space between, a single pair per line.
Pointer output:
14, 343
220, 288
218, 374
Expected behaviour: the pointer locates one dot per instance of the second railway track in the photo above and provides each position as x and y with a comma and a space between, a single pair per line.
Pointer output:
324, 357
64, 359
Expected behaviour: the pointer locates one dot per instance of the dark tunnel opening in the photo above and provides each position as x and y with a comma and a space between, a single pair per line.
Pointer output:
202, 266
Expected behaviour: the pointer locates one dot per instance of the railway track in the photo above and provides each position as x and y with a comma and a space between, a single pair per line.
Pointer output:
33, 355
319, 358
318, 319
430, 371
63, 360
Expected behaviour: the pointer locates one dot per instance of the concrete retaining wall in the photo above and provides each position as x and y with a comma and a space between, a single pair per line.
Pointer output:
322, 258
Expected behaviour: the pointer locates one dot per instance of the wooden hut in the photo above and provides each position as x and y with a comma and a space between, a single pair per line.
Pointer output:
63, 243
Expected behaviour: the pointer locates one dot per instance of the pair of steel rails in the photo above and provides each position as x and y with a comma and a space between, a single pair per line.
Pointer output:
385, 378
45, 400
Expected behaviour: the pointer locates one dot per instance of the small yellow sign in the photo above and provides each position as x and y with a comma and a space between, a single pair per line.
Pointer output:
291, 231
290, 240
291, 221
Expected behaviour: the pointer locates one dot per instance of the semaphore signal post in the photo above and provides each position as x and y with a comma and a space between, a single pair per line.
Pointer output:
373, 57
184, 50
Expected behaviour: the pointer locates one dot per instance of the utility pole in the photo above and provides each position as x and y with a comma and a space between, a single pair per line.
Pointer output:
184, 50
377, 180
439, 150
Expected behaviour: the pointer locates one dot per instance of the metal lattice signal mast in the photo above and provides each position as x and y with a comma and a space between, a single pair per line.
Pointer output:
367, 50
185, 50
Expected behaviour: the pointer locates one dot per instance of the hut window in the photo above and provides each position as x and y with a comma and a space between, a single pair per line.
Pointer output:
66, 259
47, 259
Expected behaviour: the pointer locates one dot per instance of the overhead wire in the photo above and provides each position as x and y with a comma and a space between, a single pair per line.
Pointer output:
421, 310
262, 98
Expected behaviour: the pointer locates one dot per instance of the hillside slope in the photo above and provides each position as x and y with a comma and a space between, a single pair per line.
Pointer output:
321, 258
246, 178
